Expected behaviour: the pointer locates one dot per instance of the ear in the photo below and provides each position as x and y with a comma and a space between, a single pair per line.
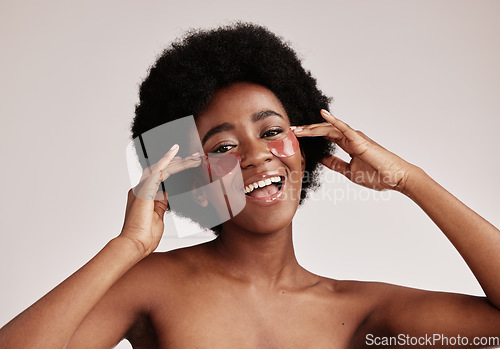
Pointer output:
199, 195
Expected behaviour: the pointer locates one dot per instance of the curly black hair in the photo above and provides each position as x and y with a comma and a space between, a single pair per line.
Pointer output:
187, 74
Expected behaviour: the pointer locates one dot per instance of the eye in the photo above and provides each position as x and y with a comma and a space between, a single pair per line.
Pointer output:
223, 148
273, 132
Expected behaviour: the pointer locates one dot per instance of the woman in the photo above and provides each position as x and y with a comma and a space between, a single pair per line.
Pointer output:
245, 289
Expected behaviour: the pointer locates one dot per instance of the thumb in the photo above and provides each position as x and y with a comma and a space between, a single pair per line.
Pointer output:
161, 203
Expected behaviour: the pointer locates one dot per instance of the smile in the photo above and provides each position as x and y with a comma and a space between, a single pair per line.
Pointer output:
277, 181
265, 190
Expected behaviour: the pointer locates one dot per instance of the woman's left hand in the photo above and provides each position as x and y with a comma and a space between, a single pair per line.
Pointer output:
371, 165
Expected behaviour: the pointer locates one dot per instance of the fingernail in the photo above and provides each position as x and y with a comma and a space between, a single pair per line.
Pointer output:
298, 129
195, 154
293, 127
326, 112
175, 146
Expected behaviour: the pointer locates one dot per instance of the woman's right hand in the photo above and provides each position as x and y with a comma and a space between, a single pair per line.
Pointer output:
146, 205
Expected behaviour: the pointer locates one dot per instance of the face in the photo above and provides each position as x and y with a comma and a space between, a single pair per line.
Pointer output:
242, 119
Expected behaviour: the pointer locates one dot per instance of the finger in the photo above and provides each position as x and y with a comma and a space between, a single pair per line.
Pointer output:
152, 176
355, 143
169, 157
150, 183
130, 200
161, 203
165, 160
338, 165
316, 130
340, 125
161, 199
369, 139
320, 125
315, 125
301, 127
326, 130
189, 162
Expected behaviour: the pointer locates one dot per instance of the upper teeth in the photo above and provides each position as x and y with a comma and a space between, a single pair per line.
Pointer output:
260, 184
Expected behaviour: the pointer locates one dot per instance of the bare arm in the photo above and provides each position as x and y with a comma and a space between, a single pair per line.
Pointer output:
52, 321
428, 316
400, 308
477, 241
421, 313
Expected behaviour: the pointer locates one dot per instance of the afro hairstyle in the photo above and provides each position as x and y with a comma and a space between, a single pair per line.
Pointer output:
187, 74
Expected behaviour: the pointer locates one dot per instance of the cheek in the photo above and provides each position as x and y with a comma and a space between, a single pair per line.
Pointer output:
294, 185
288, 151
286, 147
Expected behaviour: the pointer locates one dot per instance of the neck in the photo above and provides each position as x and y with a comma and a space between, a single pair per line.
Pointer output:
262, 259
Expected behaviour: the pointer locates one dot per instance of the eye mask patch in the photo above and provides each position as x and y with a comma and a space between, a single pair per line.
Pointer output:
285, 147
220, 165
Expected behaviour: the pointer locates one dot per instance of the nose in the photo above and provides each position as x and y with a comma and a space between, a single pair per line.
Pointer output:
255, 153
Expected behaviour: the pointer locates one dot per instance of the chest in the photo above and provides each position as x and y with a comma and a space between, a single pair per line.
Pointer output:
228, 319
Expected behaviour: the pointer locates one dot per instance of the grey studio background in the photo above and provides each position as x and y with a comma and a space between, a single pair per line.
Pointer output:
419, 77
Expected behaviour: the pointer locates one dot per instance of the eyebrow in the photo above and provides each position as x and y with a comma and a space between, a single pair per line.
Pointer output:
257, 116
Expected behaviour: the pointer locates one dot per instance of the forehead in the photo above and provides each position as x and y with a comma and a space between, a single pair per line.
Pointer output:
238, 102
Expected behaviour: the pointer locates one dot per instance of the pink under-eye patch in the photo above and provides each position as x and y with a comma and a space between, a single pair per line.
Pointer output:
285, 147
220, 165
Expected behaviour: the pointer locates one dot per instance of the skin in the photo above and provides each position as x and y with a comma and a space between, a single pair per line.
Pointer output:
246, 289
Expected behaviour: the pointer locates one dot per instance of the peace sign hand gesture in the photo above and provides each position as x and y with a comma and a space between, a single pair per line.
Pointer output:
371, 165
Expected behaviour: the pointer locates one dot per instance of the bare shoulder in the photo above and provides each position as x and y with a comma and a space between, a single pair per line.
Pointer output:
170, 267
358, 299
354, 288
154, 281
347, 306
389, 309
186, 258
376, 293
127, 307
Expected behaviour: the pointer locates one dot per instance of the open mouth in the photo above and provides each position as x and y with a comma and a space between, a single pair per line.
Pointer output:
265, 188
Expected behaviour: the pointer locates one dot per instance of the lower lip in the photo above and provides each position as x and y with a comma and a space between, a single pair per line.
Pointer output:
269, 200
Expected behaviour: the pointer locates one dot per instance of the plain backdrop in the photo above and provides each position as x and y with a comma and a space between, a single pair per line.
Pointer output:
420, 77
